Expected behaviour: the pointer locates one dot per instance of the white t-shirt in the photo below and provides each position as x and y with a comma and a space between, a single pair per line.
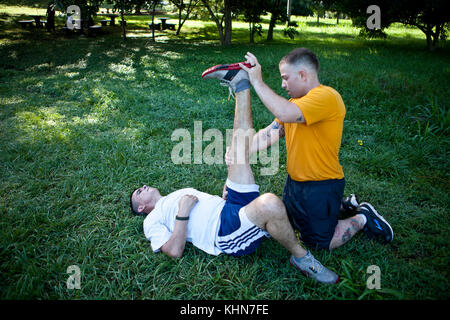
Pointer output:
203, 223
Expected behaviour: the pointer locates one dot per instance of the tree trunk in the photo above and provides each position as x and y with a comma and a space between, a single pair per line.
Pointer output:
432, 37
273, 19
180, 9
429, 42
216, 20
228, 27
123, 26
436, 35
190, 7
153, 21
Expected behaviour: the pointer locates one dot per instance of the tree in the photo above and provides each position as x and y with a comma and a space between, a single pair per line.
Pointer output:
123, 6
228, 6
276, 8
139, 4
181, 6
318, 6
252, 11
333, 6
278, 11
152, 4
431, 16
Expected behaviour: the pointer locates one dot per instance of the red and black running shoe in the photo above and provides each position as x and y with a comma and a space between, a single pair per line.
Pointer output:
223, 67
231, 75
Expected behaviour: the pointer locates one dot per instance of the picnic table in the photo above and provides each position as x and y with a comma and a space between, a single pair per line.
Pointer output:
165, 25
25, 23
37, 20
105, 22
112, 16
94, 30
156, 26
163, 22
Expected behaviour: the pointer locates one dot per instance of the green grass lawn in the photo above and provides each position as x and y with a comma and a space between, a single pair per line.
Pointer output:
83, 121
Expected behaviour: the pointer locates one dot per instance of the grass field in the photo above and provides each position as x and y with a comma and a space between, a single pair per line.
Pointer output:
83, 121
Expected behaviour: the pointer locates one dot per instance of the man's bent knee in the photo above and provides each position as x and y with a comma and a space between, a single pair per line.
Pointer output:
265, 208
272, 204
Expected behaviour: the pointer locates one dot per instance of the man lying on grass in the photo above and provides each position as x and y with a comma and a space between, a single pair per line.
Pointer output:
235, 226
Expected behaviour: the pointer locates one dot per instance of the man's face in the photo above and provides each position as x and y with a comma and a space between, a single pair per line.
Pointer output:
293, 80
145, 197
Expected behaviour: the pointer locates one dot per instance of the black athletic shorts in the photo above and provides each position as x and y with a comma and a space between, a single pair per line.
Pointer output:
313, 209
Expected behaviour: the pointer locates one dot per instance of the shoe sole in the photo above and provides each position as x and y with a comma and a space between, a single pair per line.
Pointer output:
308, 275
223, 67
356, 199
347, 205
380, 217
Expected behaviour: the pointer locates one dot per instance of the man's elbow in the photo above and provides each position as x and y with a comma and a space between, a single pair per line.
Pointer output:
287, 118
290, 113
283, 118
175, 253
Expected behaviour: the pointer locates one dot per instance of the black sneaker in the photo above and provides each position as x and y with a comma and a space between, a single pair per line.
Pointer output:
376, 225
350, 203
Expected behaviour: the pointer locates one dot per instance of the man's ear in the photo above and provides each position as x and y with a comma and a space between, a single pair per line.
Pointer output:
141, 208
302, 74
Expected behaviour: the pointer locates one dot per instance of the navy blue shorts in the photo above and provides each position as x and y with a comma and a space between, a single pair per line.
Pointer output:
237, 235
313, 209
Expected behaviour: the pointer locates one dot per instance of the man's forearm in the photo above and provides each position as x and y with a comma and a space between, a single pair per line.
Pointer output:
261, 140
266, 137
174, 247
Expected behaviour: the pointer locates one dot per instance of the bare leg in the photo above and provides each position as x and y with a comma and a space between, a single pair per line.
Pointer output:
345, 230
240, 171
269, 213
266, 211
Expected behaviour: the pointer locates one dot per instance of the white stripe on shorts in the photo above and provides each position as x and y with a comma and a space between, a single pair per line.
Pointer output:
241, 238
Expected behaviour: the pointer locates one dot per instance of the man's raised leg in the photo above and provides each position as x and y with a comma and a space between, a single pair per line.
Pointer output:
240, 171
239, 84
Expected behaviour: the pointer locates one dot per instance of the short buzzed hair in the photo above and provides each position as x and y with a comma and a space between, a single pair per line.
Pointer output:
133, 205
302, 56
